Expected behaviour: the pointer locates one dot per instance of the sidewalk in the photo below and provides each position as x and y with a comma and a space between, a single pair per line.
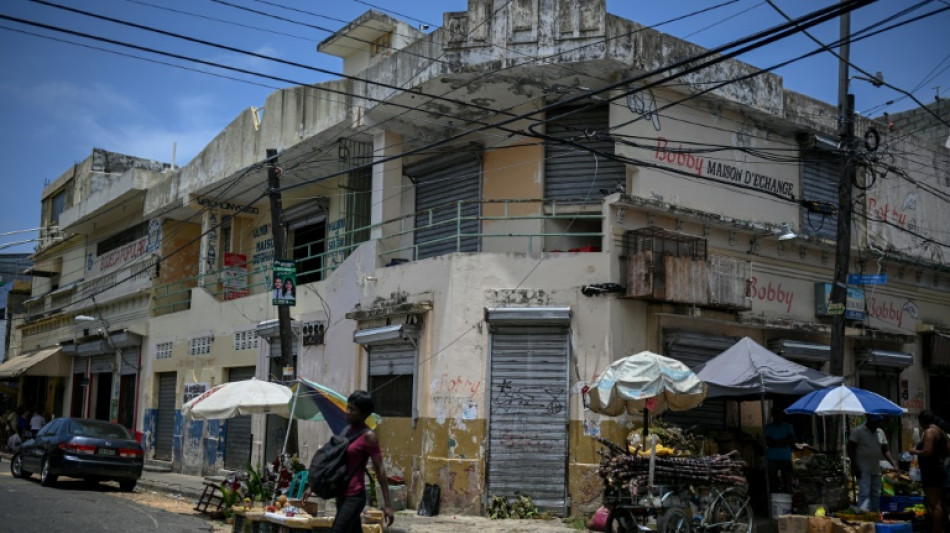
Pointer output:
189, 489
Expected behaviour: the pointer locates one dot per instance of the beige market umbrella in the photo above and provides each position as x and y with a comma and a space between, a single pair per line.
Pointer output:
645, 381
236, 398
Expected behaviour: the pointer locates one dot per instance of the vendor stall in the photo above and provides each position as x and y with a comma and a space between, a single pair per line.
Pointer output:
663, 485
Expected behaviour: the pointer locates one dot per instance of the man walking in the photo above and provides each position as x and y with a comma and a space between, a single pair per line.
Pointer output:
866, 453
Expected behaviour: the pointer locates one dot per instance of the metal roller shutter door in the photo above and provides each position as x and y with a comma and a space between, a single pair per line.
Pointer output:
237, 433
391, 359
695, 349
820, 175
440, 185
165, 425
529, 416
574, 173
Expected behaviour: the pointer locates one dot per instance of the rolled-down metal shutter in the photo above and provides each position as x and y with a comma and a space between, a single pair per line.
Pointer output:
528, 418
821, 173
391, 359
237, 433
165, 425
694, 349
447, 194
571, 172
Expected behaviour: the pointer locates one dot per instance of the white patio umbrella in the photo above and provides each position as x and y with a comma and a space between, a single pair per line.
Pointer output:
236, 398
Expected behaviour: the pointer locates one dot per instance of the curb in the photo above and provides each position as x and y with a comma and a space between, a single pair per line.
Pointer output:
177, 491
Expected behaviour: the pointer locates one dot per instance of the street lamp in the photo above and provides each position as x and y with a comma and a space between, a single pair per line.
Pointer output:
116, 367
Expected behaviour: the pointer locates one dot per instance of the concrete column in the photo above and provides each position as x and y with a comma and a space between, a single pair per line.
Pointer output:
387, 193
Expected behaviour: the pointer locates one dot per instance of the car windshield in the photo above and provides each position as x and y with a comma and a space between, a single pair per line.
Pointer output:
98, 429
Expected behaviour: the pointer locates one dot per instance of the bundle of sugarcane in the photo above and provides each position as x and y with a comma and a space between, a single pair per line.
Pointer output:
622, 469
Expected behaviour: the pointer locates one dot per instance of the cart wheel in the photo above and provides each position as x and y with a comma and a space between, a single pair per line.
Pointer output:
674, 520
732, 512
621, 521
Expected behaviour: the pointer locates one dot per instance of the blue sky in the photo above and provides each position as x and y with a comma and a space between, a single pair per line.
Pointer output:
58, 100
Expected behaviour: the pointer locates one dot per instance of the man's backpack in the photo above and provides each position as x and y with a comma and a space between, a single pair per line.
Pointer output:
328, 475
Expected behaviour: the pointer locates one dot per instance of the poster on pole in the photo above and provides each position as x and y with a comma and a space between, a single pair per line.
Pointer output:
285, 282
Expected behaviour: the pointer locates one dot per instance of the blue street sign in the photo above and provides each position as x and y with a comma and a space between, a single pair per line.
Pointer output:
867, 279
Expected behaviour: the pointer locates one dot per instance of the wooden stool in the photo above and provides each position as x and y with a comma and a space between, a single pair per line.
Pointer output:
212, 496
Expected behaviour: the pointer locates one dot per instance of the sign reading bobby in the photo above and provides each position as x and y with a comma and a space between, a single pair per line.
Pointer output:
285, 283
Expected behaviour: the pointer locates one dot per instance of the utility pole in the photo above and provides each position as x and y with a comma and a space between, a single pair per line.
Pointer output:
280, 250
839, 292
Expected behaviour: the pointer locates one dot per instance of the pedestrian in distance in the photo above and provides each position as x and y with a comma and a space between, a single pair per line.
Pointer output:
931, 452
350, 505
37, 421
866, 451
23, 422
779, 437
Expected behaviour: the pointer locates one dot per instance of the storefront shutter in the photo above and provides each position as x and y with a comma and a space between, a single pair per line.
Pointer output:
820, 176
528, 417
575, 173
165, 425
694, 349
237, 433
441, 184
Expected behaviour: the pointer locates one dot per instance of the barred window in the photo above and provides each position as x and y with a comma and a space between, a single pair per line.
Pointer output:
200, 346
163, 350
246, 340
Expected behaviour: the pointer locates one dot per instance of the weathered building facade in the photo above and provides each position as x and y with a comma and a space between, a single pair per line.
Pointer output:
478, 232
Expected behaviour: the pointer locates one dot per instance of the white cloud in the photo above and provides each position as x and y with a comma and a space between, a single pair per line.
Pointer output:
99, 115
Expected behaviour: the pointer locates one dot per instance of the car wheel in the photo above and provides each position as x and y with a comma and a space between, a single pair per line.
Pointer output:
16, 467
127, 485
47, 478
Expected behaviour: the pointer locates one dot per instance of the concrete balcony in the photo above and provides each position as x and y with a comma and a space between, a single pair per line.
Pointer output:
113, 199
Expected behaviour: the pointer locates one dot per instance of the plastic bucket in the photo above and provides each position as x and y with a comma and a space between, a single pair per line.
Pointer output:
781, 504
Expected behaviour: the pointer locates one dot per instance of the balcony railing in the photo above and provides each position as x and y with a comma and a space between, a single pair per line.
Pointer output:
520, 225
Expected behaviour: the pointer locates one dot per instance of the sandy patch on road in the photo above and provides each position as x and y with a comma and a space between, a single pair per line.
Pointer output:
171, 504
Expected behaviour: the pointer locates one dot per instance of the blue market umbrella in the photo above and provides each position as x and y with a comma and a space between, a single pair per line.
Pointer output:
844, 400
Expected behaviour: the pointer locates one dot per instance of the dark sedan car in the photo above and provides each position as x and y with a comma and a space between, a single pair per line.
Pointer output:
93, 450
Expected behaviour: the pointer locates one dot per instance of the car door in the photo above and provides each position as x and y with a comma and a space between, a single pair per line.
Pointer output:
40, 445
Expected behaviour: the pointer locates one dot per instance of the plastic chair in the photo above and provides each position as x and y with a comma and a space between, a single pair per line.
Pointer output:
297, 485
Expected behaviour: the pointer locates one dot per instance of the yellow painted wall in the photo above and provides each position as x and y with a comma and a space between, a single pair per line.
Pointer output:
447, 455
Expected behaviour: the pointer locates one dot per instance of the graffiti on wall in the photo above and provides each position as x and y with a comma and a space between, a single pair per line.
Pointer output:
455, 396
511, 398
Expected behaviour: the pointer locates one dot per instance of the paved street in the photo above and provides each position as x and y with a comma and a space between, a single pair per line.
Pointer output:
71, 505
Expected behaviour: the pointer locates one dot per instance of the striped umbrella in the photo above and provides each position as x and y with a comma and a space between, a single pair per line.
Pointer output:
313, 401
844, 400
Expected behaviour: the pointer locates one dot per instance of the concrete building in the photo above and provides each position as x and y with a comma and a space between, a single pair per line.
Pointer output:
474, 259
93, 270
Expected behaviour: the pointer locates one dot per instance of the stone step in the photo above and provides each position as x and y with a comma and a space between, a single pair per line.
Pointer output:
154, 465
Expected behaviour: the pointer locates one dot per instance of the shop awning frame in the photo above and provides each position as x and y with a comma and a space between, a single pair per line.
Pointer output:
49, 362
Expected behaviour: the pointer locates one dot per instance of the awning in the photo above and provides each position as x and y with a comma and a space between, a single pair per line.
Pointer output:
398, 333
887, 358
47, 362
801, 351
528, 316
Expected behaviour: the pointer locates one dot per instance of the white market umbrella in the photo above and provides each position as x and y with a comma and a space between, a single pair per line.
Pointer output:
645, 381
236, 398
